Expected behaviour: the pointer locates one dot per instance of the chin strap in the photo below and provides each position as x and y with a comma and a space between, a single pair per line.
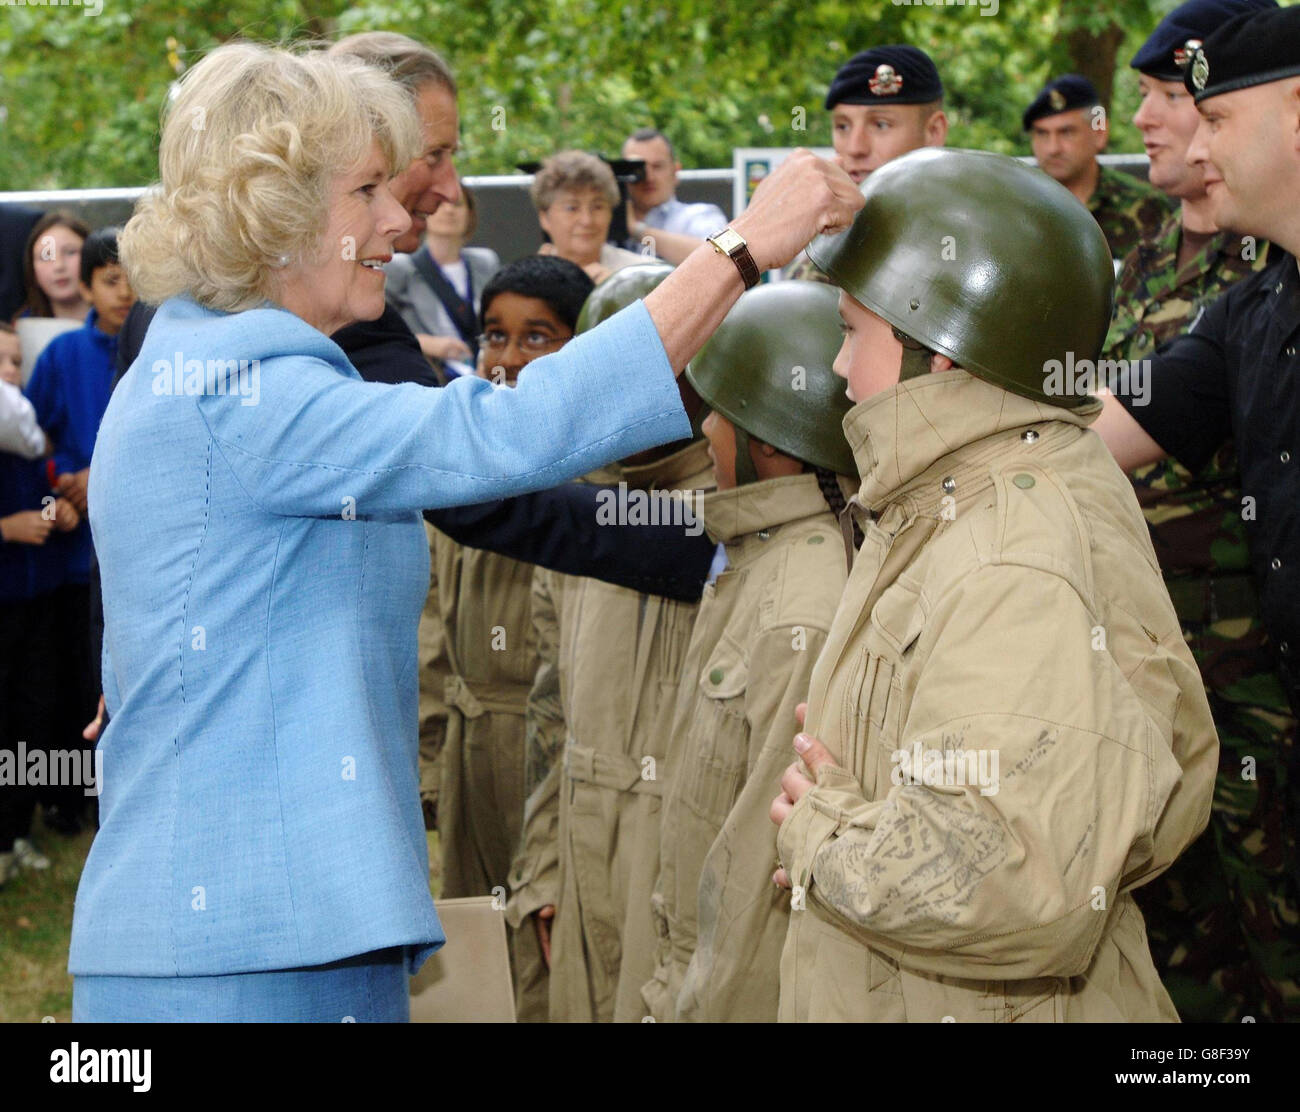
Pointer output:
745, 470
916, 357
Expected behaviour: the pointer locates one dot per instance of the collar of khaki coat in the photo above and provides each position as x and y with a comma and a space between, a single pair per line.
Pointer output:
934, 436
741, 516
672, 470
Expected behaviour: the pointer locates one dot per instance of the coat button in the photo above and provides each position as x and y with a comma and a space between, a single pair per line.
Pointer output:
949, 485
764, 535
716, 676
1285, 457
1275, 563
1029, 435
1290, 350
1023, 481
1284, 648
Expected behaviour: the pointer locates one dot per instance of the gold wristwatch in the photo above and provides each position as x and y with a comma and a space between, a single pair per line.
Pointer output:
731, 243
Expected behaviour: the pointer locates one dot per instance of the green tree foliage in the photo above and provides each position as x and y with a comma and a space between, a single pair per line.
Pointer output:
82, 93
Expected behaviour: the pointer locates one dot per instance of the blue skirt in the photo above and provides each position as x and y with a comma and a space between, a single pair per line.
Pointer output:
370, 988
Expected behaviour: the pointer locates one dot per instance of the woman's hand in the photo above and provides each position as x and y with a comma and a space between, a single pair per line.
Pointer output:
597, 273
443, 347
795, 785
26, 527
800, 199
542, 921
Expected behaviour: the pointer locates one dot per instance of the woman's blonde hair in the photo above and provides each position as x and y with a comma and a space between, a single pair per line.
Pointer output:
573, 170
251, 141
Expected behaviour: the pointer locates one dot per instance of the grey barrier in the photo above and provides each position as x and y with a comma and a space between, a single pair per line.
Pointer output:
507, 221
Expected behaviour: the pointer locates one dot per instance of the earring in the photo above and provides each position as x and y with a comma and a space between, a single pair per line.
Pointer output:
282, 261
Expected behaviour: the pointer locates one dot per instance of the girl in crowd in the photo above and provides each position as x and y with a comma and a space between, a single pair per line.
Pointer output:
52, 268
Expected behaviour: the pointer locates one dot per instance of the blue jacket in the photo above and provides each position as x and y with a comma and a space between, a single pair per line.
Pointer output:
264, 568
28, 570
69, 389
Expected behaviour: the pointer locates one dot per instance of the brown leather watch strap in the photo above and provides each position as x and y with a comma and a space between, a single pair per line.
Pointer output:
748, 268
739, 254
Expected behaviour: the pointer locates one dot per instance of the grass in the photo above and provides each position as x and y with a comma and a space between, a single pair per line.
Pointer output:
36, 927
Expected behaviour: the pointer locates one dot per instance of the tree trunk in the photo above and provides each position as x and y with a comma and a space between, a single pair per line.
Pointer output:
1093, 56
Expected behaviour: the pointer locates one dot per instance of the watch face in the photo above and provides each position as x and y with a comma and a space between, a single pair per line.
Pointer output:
729, 240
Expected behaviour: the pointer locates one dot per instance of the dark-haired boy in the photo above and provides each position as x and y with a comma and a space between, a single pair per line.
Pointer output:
489, 650
70, 388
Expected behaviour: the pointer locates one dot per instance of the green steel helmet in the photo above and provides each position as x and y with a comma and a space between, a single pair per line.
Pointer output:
619, 290
982, 258
767, 369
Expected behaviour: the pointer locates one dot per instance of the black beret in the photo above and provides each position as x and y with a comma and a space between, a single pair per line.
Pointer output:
1061, 95
1252, 49
1166, 53
886, 75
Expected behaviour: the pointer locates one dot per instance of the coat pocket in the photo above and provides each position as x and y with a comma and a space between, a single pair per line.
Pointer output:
717, 752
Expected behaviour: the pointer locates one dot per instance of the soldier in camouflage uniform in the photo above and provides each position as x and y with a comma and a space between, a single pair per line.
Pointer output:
1067, 128
1217, 919
896, 85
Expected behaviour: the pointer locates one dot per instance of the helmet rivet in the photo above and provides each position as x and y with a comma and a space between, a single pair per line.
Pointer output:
1029, 435
949, 485
914, 304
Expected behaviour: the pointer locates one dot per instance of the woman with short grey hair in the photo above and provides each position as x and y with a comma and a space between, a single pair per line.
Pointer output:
575, 195
256, 510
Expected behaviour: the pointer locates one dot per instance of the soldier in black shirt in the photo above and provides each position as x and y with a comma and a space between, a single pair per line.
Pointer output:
1234, 375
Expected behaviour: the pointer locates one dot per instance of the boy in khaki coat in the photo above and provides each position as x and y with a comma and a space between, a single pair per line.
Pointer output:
766, 373
1012, 733
597, 733
489, 650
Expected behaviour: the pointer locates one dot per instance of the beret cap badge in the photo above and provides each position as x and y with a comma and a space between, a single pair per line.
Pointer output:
1057, 99
1184, 53
1200, 70
886, 83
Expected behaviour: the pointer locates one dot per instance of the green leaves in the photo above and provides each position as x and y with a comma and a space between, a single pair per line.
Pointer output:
83, 92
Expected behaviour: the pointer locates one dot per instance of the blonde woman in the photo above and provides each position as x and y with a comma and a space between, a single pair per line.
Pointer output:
256, 515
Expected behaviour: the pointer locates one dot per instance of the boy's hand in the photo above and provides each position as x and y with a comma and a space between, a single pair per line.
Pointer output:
795, 785
542, 918
91, 732
72, 486
26, 527
66, 517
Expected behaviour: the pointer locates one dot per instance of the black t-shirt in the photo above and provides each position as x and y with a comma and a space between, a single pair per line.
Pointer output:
1234, 374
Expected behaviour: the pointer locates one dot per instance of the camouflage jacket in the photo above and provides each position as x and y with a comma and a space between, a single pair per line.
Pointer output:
1127, 208
1196, 522
804, 269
